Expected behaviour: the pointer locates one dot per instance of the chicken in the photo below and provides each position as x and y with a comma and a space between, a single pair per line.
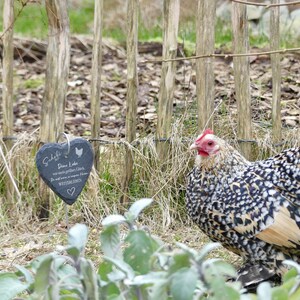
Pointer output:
78, 152
251, 208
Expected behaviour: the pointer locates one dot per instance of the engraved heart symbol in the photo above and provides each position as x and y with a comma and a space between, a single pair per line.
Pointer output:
65, 169
71, 191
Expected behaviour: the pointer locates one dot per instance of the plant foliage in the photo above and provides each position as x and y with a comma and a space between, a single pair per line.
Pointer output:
135, 267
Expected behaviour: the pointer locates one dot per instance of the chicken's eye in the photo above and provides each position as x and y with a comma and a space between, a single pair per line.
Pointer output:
210, 143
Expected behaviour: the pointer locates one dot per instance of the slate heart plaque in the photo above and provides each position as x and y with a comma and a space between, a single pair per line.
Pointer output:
65, 167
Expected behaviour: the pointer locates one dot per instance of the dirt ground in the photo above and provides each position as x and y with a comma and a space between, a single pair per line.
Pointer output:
22, 246
30, 74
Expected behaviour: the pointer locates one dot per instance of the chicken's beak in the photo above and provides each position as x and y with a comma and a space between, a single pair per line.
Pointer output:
193, 146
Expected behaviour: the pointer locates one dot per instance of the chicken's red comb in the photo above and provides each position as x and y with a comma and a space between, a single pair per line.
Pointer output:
205, 132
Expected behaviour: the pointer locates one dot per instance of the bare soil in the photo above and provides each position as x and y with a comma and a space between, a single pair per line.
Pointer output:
30, 75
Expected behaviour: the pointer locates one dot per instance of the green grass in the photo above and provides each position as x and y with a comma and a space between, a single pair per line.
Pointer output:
32, 83
81, 20
31, 21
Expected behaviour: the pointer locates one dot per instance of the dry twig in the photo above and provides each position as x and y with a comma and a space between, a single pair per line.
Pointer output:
222, 55
16, 17
266, 5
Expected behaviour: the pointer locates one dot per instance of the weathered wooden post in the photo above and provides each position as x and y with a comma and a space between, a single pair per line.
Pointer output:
7, 95
165, 103
57, 71
276, 72
132, 91
205, 44
241, 75
96, 79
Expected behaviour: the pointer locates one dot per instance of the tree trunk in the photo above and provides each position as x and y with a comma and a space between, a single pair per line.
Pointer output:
96, 79
132, 92
276, 72
205, 78
165, 104
241, 69
57, 71
8, 96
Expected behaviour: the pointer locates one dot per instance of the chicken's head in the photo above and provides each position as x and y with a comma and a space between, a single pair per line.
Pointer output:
206, 144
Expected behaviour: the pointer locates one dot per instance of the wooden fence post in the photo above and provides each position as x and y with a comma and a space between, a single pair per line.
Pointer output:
165, 103
132, 91
96, 79
276, 72
205, 44
242, 76
57, 71
7, 77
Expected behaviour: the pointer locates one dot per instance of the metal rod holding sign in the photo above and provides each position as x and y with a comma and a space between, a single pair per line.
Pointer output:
68, 152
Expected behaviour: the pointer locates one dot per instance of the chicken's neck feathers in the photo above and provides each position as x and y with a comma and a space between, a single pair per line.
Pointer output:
226, 160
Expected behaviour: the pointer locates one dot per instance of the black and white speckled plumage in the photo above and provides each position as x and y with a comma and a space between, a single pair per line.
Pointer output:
252, 209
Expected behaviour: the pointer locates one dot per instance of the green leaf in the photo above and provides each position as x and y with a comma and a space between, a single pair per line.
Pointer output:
162, 260
264, 291
248, 297
11, 286
42, 277
293, 264
149, 278
73, 252
289, 284
159, 290
139, 250
180, 260
110, 241
295, 295
116, 275
217, 267
107, 287
68, 275
292, 273
104, 269
70, 296
115, 297
111, 291
279, 293
138, 206
221, 290
78, 236
113, 220
185, 248
183, 284
89, 279
122, 266
35, 264
24, 272
206, 250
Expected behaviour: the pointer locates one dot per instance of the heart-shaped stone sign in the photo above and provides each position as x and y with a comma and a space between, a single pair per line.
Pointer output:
65, 167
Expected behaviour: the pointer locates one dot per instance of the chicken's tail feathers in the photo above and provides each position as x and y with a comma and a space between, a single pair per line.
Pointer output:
251, 276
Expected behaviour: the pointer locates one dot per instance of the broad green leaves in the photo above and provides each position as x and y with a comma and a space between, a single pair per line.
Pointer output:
135, 266
44, 279
11, 286
113, 220
77, 238
139, 251
136, 209
90, 279
183, 284
110, 241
